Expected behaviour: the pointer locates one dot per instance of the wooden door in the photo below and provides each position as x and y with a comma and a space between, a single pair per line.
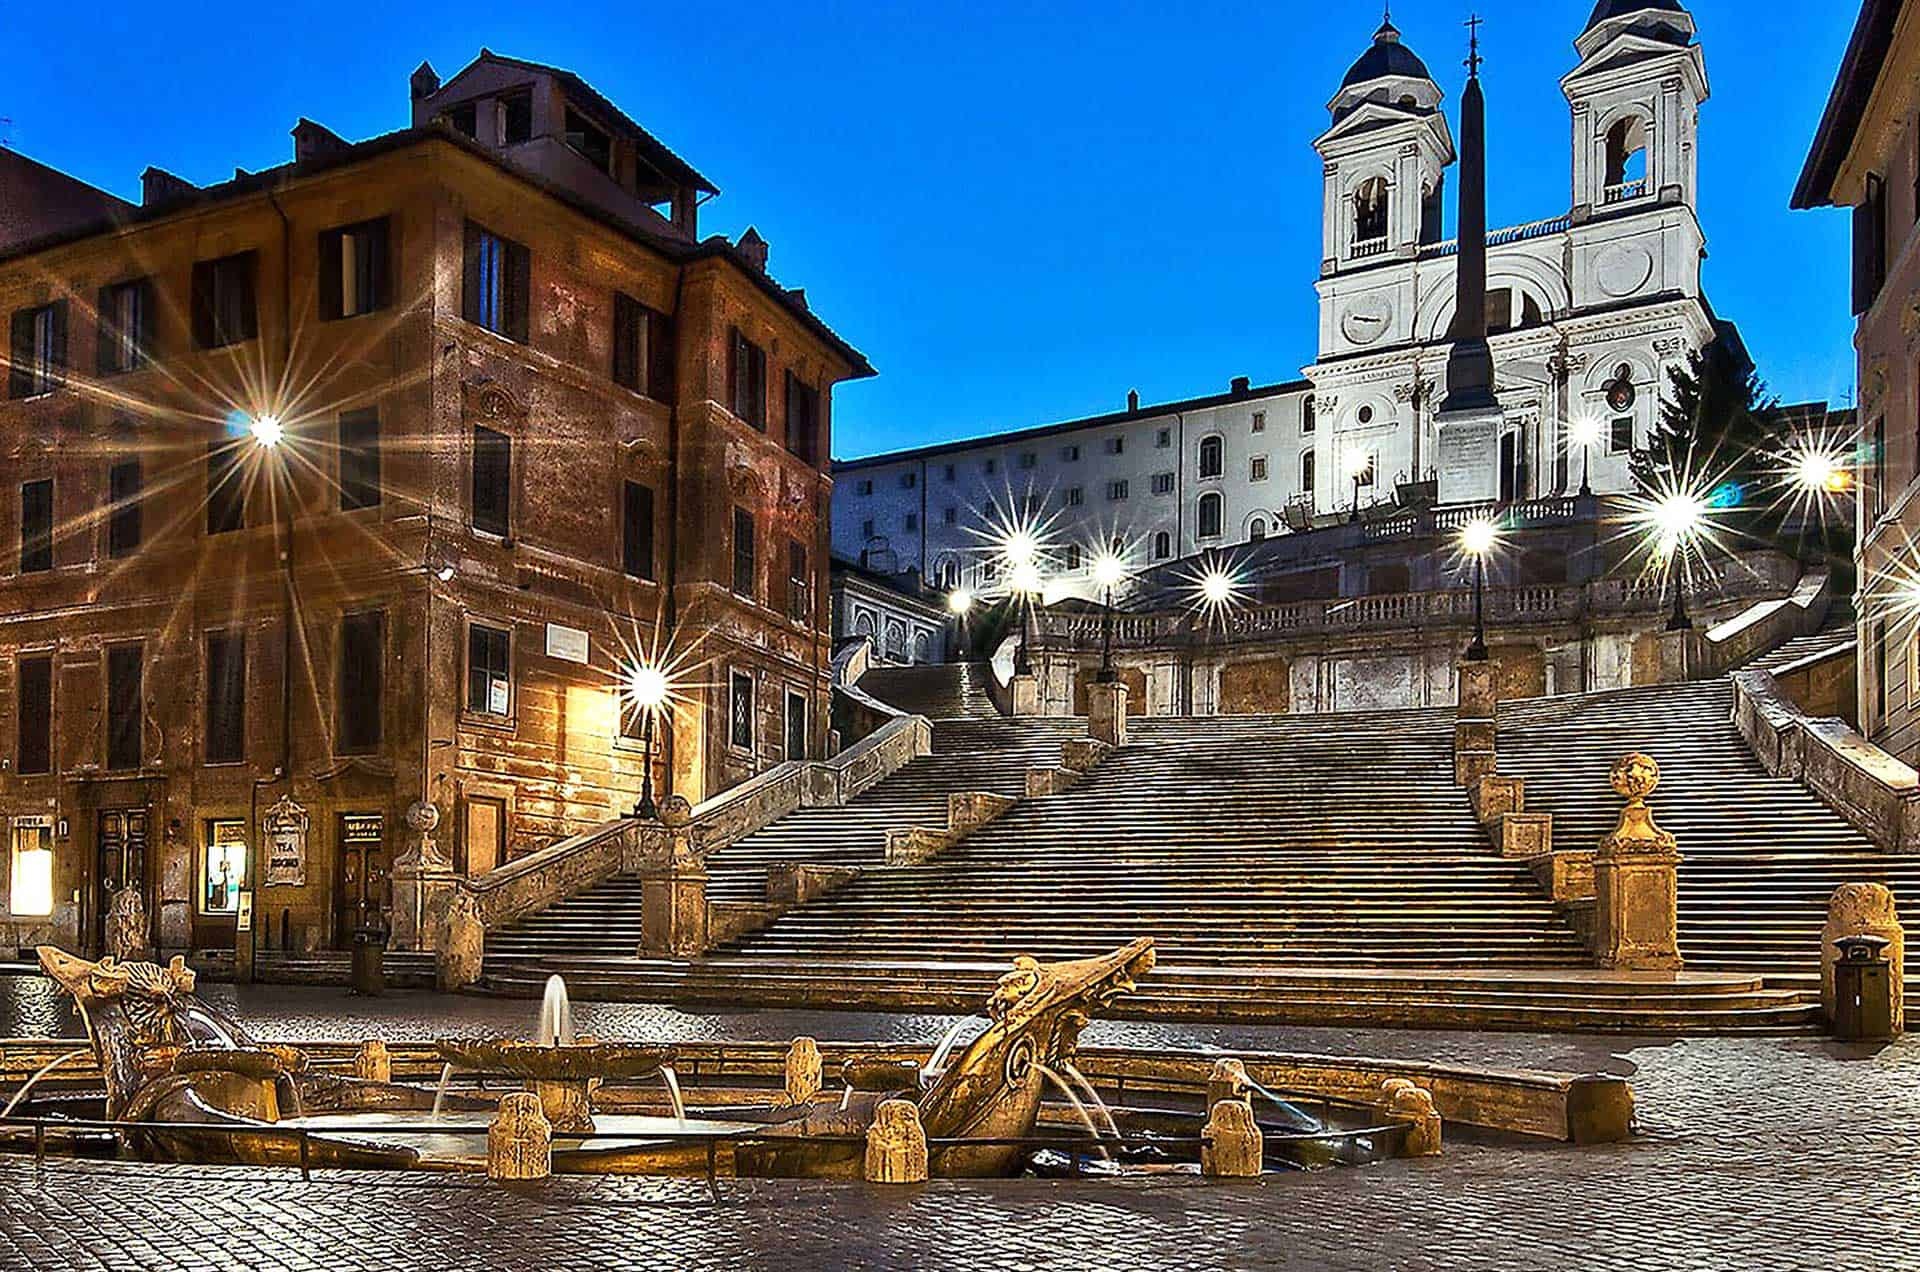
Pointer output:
483, 839
360, 874
120, 861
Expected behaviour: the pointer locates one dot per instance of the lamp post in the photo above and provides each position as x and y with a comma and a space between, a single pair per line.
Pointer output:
1108, 571
1477, 539
1586, 435
265, 433
647, 689
1021, 551
960, 604
1677, 520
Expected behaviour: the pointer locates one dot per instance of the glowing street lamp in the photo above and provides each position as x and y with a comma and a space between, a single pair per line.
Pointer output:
1676, 519
1025, 582
1819, 473
648, 690
1477, 539
959, 602
1108, 571
1216, 587
1585, 434
267, 430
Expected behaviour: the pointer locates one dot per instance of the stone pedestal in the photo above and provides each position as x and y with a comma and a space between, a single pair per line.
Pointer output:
1228, 1081
519, 1141
673, 909
1026, 695
567, 1105
1477, 696
1635, 880
1107, 713
422, 877
1473, 727
1234, 1149
896, 1145
1864, 909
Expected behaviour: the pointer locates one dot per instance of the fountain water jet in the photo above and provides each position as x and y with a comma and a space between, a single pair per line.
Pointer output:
1086, 1118
672, 1080
1106, 1114
937, 1063
556, 1015
21, 1094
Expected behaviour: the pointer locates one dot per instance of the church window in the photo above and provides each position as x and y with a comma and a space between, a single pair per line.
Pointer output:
1370, 216
1211, 506
1212, 457
1366, 415
1306, 414
1530, 315
1259, 421
1431, 203
1162, 545
1257, 529
1073, 557
1626, 161
1306, 471
1620, 439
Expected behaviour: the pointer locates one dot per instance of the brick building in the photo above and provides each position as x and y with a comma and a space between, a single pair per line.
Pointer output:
356, 482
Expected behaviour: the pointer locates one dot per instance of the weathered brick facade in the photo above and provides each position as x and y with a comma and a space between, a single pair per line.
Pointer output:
547, 755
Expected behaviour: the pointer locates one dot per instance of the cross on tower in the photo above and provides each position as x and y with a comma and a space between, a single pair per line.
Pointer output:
1474, 24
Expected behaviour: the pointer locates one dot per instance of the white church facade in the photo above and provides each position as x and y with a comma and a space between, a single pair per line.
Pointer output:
1588, 310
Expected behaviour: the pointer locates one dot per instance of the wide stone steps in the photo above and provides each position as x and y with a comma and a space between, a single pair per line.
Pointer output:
942, 691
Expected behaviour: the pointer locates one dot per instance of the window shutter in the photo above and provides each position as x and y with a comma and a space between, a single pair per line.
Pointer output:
1869, 245
519, 290
637, 547
107, 336
332, 249
203, 304
661, 352
57, 373
736, 397
626, 342
379, 264
144, 325
20, 364
470, 275
249, 277
759, 389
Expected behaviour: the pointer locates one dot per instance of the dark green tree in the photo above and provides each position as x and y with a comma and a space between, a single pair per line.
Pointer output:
1717, 434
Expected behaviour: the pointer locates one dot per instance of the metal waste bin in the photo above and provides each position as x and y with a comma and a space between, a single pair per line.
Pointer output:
370, 956
1862, 990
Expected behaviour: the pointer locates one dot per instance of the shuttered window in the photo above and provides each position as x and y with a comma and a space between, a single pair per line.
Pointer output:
362, 682
642, 348
226, 697
123, 509
226, 488
124, 698
748, 380
492, 481
126, 326
799, 582
1870, 245
37, 350
496, 283
355, 269
636, 539
35, 749
359, 460
224, 302
743, 561
803, 419
36, 526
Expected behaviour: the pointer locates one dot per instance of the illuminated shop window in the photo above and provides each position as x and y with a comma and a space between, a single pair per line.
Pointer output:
223, 867
32, 877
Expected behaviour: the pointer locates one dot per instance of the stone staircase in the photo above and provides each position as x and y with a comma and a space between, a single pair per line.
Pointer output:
1761, 855
968, 755
938, 691
1837, 631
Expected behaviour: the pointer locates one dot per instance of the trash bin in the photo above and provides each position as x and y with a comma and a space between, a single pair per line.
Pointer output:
1862, 990
370, 956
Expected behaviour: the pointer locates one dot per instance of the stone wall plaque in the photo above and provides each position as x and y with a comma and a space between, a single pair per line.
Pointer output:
285, 826
568, 643
1469, 455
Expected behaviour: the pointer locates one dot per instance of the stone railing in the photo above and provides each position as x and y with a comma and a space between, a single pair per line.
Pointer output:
1876, 793
531, 883
1765, 625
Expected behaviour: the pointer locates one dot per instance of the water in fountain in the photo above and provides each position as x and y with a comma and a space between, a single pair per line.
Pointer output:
1093, 1096
440, 1095
672, 1080
937, 1064
1301, 1119
21, 1094
846, 1096
1086, 1119
556, 1015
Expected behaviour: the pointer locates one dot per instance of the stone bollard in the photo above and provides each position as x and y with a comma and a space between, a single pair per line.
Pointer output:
1473, 728
1228, 1081
520, 1141
1234, 1148
372, 1063
1026, 695
1636, 880
1107, 712
1864, 909
1402, 1101
803, 1070
896, 1145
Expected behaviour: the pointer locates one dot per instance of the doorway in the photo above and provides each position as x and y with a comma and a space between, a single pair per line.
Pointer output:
1513, 467
360, 875
120, 861
483, 838
796, 726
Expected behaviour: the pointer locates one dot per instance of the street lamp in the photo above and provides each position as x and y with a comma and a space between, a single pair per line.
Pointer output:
1676, 520
1108, 571
1026, 583
1477, 539
1586, 435
647, 689
267, 430
960, 602
1359, 464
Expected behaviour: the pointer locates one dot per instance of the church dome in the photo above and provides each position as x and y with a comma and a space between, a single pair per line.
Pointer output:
1607, 10
1390, 58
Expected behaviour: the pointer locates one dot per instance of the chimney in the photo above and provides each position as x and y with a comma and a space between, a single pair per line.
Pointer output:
1242, 386
315, 141
1133, 399
754, 248
157, 185
424, 82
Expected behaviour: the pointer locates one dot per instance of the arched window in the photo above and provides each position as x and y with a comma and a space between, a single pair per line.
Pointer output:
1162, 545
1370, 212
896, 640
1073, 556
946, 573
1257, 529
922, 647
1306, 471
1431, 200
1212, 456
1626, 160
1211, 505
863, 624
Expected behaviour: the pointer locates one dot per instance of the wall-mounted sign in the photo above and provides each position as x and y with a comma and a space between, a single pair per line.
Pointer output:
567, 643
285, 827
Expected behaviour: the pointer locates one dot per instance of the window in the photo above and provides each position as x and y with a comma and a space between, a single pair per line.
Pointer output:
1116, 445
803, 419
1210, 515
492, 481
907, 480
1027, 460
354, 270
496, 283
123, 508
865, 487
489, 670
992, 466
359, 460
362, 682
1163, 483
36, 526
799, 583
743, 552
1306, 471
642, 349
1074, 496
636, 537
1162, 545
1870, 245
1366, 415
38, 350
1879, 467
1073, 557
125, 714
911, 521
226, 738
1257, 468
1259, 421
1163, 438
464, 119
1620, 435
946, 474
35, 742
591, 140
796, 748
1070, 453
1626, 161
223, 868
223, 301
1306, 415
1116, 490
740, 710
950, 515
226, 487
1212, 457
867, 528
516, 117
747, 381
1883, 691
126, 326
1370, 216
1257, 529
31, 888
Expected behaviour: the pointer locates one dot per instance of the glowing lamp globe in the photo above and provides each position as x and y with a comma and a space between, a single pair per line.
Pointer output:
959, 601
267, 430
1477, 536
1217, 587
1108, 570
647, 687
1026, 578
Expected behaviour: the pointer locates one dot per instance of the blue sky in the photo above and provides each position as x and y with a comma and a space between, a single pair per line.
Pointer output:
1018, 211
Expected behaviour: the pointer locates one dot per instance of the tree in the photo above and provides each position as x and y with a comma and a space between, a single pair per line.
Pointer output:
1717, 435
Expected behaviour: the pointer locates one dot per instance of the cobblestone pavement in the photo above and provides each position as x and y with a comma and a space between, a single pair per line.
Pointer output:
1762, 1153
